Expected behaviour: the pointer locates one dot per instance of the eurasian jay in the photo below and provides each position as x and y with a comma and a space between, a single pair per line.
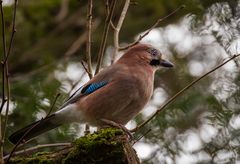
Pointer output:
117, 93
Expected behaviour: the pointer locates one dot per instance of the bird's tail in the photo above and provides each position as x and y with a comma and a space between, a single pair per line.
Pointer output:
34, 129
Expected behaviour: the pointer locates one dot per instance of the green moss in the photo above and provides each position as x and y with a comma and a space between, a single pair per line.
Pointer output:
40, 158
102, 147
105, 146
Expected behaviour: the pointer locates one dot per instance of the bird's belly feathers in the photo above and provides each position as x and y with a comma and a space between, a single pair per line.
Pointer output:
119, 102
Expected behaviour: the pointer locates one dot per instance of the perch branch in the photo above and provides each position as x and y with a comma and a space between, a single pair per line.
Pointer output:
182, 91
117, 30
151, 28
105, 34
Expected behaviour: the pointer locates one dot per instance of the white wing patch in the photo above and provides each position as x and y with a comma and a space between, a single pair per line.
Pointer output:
69, 114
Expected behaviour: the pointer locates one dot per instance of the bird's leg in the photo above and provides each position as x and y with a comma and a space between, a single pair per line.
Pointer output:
87, 130
117, 125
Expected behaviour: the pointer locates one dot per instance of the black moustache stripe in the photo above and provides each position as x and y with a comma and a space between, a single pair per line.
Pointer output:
155, 62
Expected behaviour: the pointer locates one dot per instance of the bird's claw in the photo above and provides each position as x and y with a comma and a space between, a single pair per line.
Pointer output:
120, 126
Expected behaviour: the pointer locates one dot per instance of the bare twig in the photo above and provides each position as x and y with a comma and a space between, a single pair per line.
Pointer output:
63, 10
112, 25
117, 30
5, 76
89, 39
182, 91
4, 56
6, 68
144, 134
107, 6
107, 9
87, 128
105, 34
3, 82
151, 28
31, 149
88, 50
54, 102
84, 66
13, 31
74, 84
88, 47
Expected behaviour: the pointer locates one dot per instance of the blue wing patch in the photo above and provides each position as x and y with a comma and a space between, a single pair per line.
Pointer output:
93, 87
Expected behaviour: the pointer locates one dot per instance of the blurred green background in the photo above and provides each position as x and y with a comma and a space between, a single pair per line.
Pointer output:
201, 126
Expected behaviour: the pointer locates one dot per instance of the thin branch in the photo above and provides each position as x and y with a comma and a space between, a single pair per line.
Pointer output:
3, 89
6, 68
4, 56
89, 39
117, 30
107, 6
88, 69
150, 29
74, 84
3, 101
13, 31
182, 91
63, 10
84, 66
53, 104
144, 134
3, 81
107, 9
112, 25
5, 75
105, 35
31, 149
3, 30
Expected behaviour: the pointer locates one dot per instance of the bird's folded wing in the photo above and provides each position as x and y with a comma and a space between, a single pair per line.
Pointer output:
83, 91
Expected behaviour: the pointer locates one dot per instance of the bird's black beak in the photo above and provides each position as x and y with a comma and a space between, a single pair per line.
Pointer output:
165, 63
161, 62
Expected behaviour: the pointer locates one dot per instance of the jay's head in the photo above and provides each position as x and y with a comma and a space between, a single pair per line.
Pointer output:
147, 55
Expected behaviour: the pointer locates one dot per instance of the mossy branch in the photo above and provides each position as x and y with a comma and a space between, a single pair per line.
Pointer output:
106, 146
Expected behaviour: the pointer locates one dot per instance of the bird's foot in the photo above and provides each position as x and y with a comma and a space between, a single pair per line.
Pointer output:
87, 130
120, 126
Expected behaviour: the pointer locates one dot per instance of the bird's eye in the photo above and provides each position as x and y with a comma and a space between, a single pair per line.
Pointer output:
153, 52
